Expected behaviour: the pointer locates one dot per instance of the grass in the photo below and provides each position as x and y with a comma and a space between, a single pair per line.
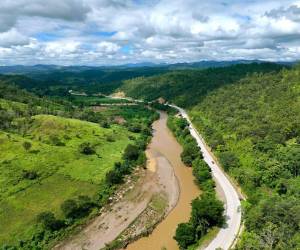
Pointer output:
206, 239
63, 172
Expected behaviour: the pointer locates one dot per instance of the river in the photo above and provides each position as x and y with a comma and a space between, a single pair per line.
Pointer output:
164, 143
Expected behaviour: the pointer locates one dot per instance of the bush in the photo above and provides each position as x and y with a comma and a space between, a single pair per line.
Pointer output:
135, 128
104, 124
27, 145
49, 222
86, 148
29, 174
54, 140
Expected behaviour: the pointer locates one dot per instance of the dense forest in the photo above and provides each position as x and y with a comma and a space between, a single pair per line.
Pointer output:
187, 87
254, 128
249, 115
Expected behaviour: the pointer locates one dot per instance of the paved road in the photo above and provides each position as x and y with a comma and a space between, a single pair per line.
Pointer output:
226, 236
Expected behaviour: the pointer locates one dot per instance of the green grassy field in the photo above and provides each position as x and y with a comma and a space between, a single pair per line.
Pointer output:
63, 172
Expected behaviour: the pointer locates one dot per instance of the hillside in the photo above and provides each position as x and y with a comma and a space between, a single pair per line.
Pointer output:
186, 87
56, 154
254, 128
54, 157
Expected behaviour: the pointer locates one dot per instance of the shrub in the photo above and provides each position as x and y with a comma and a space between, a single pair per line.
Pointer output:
104, 124
86, 148
135, 128
27, 145
54, 140
29, 174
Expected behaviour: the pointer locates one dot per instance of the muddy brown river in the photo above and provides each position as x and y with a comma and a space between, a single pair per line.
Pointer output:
164, 143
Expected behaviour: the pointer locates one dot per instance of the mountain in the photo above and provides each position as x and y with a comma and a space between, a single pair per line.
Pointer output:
40, 68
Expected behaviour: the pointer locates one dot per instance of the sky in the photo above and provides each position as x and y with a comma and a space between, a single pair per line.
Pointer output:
114, 32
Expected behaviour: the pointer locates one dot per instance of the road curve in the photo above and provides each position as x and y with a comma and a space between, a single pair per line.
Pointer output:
226, 236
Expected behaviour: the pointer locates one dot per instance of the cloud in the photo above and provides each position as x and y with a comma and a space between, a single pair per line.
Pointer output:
123, 31
12, 38
108, 47
292, 12
68, 10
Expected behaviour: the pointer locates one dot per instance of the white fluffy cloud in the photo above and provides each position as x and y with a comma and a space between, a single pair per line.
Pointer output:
121, 31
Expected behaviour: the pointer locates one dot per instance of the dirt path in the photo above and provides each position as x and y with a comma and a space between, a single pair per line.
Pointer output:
158, 178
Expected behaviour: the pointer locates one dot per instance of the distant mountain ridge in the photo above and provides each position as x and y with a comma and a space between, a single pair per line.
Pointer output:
43, 68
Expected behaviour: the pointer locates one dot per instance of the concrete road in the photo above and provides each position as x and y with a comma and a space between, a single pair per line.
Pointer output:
227, 235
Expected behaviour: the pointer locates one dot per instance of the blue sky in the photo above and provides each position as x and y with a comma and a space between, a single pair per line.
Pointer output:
110, 32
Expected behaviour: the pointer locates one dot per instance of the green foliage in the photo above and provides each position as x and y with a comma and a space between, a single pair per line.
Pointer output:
49, 222
187, 87
257, 123
29, 174
228, 160
131, 153
69, 209
27, 145
52, 170
86, 148
207, 211
185, 235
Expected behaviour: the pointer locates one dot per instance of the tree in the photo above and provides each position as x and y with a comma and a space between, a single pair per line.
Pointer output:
49, 222
190, 152
113, 177
228, 160
131, 153
185, 235
207, 209
70, 209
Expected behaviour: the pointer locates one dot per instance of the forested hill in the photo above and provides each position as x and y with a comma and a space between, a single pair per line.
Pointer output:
186, 87
254, 128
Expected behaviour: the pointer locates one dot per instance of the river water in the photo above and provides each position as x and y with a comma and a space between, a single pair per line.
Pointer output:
164, 143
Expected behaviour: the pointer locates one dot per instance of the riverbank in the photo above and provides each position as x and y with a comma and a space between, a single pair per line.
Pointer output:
165, 184
162, 236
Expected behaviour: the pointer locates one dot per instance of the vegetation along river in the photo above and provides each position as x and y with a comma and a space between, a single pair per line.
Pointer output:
164, 143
